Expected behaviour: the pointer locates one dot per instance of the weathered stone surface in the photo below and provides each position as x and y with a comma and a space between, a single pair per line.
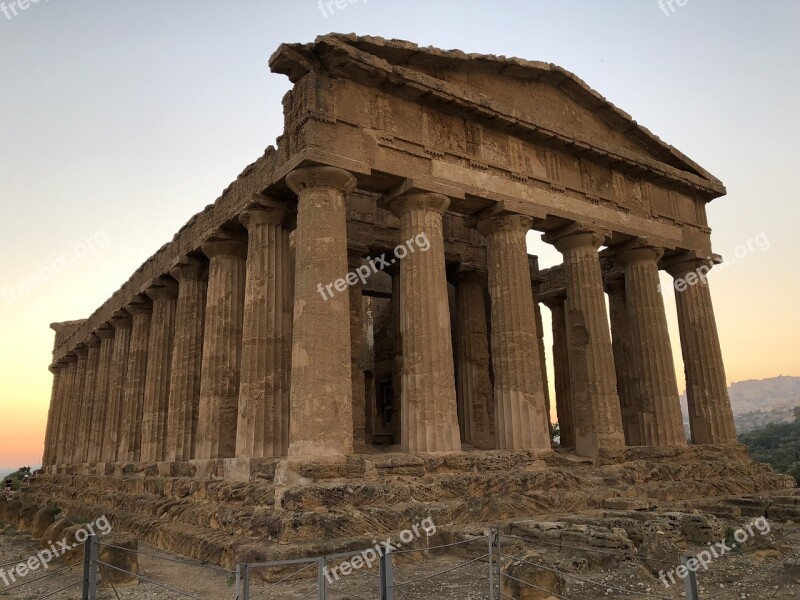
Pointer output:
710, 415
62, 427
430, 422
563, 387
321, 363
100, 401
522, 421
298, 504
73, 423
42, 521
627, 503
629, 399
529, 577
129, 439
54, 532
73, 537
659, 415
126, 562
164, 294
26, 516
699, 528
263, 420
187, 357
657, 550
471, 346
52, 414
595, 404
357, 349
222, 336
115, 410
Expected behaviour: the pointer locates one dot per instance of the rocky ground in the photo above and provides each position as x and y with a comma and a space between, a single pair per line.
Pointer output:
600, 554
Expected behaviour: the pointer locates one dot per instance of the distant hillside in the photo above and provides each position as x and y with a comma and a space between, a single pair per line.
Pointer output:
757, 402
765, 394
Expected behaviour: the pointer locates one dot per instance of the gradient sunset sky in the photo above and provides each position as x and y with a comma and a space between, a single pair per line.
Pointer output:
121, 119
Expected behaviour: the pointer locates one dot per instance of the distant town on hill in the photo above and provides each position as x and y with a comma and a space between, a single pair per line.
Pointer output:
757, 402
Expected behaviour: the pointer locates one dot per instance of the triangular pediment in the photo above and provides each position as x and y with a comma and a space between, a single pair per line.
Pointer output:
532, 99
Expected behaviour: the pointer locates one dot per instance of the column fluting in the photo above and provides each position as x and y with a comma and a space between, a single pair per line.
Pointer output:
130, 438
710, 415
522, 421
595, 403
429, 413
222, 346
321, 410
187, 358
122, 323
164, 294
263, 420
471, 345
661, 421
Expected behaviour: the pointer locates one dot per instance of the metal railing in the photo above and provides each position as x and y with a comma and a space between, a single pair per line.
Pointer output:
380, 575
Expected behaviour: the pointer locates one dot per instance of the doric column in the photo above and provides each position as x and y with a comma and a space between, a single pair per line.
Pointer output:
518, 383
76, 402
164, 294
52, 414
562, 384
710, 414
61, 395
595, 404
122, 323
65, 420
357, 348
222, 349
100, 402
130, 438
87, 408
397, 357
629, 400
651, 351
321, 411
429, 412
263, 425
187, 358
471, 345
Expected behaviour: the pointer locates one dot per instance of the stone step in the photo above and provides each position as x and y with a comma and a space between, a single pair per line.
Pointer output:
370, 495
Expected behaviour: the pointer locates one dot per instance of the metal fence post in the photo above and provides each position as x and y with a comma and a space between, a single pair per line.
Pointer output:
90, 568
321, 577
491, 565
499, 562
387, 576
245, 582
237, 586
690, 583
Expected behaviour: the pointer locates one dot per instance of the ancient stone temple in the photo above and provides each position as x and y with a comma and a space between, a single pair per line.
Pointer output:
361, 299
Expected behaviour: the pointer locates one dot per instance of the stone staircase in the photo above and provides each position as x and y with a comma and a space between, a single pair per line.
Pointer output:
300, 509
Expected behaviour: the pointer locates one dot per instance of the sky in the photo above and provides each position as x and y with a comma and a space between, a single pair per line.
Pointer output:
121, 119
